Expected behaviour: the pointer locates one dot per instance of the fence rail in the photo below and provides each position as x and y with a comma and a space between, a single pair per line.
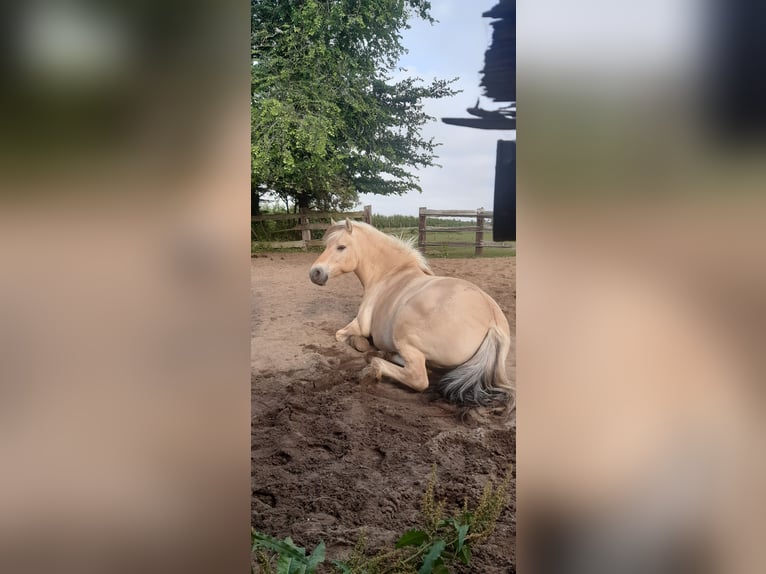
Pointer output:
481, 226
305, 226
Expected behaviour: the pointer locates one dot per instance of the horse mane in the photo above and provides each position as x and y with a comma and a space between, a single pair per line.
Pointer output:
404, 246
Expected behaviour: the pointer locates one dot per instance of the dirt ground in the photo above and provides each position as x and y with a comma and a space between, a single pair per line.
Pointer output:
331, 457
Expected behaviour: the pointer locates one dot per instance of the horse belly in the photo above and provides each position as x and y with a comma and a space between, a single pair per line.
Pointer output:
447, 322
382, 333
386, 312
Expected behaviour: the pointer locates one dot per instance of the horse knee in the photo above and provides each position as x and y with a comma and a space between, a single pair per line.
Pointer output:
420, 383
418, 379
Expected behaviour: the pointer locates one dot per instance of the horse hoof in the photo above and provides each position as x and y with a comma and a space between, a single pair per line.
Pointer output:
361, 344
369, 375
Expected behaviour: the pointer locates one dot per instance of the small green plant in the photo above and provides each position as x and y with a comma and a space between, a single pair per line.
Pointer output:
291, 559
439, 543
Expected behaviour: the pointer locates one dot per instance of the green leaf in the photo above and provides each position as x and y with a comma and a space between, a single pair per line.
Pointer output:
282, 547
285, 565
462, 530
440, 569
316, 558
344, 569
433, 554
465, 554
412, 538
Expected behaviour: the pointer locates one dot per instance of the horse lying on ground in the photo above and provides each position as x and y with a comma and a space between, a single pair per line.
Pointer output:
443, 322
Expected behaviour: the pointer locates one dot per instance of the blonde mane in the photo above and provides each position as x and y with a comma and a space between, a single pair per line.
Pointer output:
404, 246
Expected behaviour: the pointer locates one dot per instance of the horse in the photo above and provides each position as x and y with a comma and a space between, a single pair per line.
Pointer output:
420, 319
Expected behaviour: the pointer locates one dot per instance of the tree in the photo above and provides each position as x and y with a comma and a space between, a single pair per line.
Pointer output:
328, 119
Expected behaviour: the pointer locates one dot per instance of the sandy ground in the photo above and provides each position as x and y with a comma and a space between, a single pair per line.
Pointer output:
332, 457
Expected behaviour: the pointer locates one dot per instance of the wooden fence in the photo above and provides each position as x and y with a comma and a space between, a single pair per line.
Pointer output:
304, 224
479, 229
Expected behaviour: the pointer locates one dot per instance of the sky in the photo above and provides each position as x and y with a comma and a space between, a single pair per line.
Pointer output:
452, 47
599, 39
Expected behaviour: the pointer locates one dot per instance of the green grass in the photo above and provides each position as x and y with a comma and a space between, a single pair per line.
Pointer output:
399, 221
431, 252
454, 236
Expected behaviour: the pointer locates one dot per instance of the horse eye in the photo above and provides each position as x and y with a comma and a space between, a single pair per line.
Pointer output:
341, 247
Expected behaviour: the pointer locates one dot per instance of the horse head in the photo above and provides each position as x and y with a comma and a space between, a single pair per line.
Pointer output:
339, 255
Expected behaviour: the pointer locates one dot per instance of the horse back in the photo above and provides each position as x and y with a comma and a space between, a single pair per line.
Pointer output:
447, 317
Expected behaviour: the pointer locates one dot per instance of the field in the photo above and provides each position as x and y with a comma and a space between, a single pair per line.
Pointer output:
333, 459
404, 226
456, 237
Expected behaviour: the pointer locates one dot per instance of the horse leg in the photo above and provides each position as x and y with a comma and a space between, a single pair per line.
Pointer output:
350, 330
413, 374
394, 358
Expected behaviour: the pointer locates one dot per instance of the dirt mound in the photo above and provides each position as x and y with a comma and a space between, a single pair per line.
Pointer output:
332, 456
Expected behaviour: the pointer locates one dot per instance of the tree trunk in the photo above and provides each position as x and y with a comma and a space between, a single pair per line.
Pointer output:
303, 200
255, 203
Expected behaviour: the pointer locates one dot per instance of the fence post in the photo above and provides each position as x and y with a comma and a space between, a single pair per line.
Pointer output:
305, 233
422, 229
479, 232
368, 214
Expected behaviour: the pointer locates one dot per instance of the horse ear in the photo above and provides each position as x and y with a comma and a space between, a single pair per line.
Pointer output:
349, 227
332, 221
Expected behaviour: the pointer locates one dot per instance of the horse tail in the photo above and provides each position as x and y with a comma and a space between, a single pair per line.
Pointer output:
482, 381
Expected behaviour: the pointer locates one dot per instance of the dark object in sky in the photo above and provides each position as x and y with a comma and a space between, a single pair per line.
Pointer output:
498, 74
499, 83
480, 112
736, 80
500, 119
483, 123
504, 212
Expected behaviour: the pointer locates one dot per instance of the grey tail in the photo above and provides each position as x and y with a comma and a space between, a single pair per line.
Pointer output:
482, 380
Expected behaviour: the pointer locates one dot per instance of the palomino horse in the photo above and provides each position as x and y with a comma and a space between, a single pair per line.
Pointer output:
444, 322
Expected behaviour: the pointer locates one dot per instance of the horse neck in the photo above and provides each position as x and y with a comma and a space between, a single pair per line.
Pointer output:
377, 260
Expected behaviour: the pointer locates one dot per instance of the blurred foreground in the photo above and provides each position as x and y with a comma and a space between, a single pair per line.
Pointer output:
124, 304
641, 282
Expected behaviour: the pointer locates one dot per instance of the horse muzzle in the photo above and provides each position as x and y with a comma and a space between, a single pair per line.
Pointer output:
318, 275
